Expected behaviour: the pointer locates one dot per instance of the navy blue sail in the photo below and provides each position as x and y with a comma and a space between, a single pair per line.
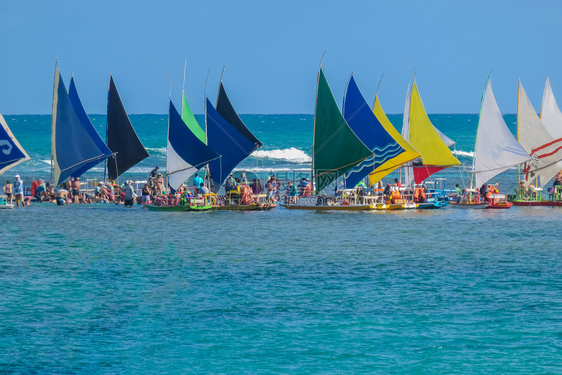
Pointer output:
121, 136
11, 152
227, 112
368, 128
185, 153
76, 147
226, 141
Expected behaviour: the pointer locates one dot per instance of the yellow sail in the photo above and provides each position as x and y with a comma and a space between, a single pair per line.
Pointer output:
409, 154
424, 138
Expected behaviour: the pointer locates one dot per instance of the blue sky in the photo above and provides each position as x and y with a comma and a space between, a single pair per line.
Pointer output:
272, 50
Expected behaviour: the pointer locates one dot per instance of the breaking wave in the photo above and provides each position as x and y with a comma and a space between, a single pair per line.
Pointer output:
292, 154
468, 154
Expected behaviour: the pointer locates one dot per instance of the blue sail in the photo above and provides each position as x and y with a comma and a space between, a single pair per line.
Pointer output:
185, 152
11, 152
368, 128
75, 145
226, 141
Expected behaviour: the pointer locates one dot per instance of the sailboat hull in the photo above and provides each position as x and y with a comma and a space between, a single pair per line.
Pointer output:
245, 207
537, 203
152, 207
350, 207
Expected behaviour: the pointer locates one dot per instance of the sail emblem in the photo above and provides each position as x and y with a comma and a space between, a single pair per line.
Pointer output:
6, 147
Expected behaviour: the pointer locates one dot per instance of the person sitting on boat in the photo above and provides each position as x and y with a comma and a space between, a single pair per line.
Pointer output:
254, 186
197, 182
395, 195
397, 183
419, 195
458, 190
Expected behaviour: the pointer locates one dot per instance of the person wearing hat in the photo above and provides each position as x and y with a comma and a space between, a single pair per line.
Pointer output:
18, 191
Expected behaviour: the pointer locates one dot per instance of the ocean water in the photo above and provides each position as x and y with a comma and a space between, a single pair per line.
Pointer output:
100, 288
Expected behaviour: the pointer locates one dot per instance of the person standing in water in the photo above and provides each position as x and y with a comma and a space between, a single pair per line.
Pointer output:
8, 189
18, 191
129, 194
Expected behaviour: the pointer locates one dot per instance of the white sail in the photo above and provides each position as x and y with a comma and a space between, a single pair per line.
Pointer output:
408, 170
551, 116
177, 169
496, 149
537, 141
448, 141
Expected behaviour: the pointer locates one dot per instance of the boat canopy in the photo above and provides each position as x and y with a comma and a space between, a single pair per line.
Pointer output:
336, 149
369, 129
75, 145
496, 149
545, 151
11, 152
185, 152
121, 136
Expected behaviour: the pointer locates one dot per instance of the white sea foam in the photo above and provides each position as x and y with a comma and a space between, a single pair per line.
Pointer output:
292, 154
156, 150
468, 154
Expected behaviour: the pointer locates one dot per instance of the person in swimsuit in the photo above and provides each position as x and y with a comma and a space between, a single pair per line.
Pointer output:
76, 189
8, 189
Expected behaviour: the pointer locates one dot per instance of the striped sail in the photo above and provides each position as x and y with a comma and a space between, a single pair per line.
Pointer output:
11, 152
496, 149
369, 129
409, 153
537, 142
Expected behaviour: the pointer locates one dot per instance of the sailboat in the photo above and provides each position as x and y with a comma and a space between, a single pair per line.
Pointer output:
76, 146
122, 139
426, 139
390, 149
336, 150
545, 150
11, 152
496, 151
230, 138
185, 154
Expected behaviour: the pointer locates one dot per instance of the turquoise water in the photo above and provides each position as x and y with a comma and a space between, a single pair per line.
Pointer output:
101, 288
126, 290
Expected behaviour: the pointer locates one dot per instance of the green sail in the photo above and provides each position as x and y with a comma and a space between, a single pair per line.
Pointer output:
335, 148
191, 122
